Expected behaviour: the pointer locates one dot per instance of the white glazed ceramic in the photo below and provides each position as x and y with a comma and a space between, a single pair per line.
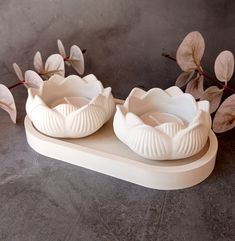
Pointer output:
70, 107
163, 125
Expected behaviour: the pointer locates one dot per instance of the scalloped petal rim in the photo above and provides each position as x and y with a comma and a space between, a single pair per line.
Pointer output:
169, 140
54, 117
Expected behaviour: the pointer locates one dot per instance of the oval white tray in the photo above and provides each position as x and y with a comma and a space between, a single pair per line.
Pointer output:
104, 153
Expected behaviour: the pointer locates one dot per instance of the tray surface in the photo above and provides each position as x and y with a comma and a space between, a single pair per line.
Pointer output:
103, 152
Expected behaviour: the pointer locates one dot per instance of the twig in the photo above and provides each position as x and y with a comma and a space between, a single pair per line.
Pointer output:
15, 85
168, 56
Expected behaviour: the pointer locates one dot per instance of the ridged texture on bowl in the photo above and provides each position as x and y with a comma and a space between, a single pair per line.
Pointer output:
167, 140
57, 119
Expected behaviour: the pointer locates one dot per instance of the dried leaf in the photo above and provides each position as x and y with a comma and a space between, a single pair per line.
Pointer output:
184, 78
32, 79
195, 87
62, 51
18, 71
7, 102
213, 94
224, 119
61, 48
190, 52
38, 63
54, 65
76, 59
224, 66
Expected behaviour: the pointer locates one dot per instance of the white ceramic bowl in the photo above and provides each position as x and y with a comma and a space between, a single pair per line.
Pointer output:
70, 107
163, 125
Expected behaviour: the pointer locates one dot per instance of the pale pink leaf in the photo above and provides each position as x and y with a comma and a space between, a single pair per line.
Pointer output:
38, 63
190, 52
32, 79
184, 78
76, 59
224, 66
224, 119
7, 102
62, 51
61, 48
18, 71
195, 87
213, 94
54, 65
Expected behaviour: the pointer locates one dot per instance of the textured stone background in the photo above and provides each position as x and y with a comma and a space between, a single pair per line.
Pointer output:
124, 39
42, 199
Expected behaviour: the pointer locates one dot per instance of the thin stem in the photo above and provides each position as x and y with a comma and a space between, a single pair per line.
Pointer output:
203, 73
168, 56
225, 87
15, 85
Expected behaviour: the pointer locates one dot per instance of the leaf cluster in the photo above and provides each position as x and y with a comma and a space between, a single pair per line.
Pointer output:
55, 64
188, 57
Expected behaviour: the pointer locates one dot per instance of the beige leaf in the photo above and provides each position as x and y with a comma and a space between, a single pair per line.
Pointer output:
213, 94
7, 102
38, 63
224, 119
195, 87
32, 79
54, 65
76, 59
224, 66
18, 71
61, 48
184, 78
190, 52
62, 51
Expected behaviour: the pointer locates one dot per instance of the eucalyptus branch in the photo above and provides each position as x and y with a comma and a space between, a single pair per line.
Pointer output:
55, 64
204, 74
188, 56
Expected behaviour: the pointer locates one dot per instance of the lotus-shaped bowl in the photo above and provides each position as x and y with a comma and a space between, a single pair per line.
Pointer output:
163, 125
71, 107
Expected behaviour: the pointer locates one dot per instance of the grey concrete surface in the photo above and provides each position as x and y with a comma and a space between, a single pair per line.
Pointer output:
45, 199
124, 38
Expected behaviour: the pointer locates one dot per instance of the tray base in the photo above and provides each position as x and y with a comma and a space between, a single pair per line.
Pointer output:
104, 153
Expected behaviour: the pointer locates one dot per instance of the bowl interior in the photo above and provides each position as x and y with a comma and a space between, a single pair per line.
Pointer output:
72, 91
173, 109
154, 118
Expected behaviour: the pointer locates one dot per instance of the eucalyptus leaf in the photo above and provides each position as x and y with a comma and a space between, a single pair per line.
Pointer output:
184, 78
62, 51
32, 79
195, 87
38, 63
54, 65
7, 102
76, 59
18, 71
224, 66
213, 94
224, 119
190, 52
61, 48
